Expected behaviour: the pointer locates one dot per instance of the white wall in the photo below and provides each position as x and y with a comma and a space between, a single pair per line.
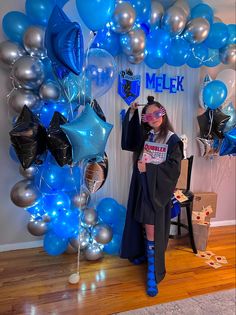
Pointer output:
208, 175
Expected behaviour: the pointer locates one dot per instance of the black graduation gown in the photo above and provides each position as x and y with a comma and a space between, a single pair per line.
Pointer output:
160, 183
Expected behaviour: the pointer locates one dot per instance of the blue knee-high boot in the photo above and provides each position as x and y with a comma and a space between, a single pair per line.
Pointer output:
152, 289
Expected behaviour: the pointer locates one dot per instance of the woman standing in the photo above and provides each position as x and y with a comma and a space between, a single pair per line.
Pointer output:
151, 189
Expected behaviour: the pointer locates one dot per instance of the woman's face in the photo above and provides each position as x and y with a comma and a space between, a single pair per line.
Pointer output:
156, 122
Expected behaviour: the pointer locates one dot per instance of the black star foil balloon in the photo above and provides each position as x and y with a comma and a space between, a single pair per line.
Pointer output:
212, 124
57, 142
28, 138
96, 107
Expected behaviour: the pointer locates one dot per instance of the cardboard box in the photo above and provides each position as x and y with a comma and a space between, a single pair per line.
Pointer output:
182, 181
204, 199
201, 235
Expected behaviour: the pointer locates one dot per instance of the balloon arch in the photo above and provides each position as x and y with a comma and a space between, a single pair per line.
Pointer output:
59, 130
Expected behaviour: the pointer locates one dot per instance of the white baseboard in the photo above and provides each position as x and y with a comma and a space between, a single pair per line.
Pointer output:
15, 246
223, 223
25, 245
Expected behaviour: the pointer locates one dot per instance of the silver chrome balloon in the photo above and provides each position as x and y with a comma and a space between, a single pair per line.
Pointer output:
136, 59
123, 18
34, 41
102, 233
70, 249
196, 30
84, 238
133, 43
89, 216
29, 172
28, 72
183, 5
46, 218
49, 91
157, 12
20, 97
217, 19
93, 252
80, 200
37, 228
25, 194
228, 54
10, 52
174, 20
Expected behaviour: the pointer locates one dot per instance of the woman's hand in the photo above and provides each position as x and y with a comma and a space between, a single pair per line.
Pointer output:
133, 107
141, 167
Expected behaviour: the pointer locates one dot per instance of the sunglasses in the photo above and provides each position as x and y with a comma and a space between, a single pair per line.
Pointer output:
152, 116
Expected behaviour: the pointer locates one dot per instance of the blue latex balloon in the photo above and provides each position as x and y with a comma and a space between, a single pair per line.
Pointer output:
50, 178
14, 25
178, 52
72, 178
55, 203
204, 11
53, 244
157, 43
108, 210
66, 224
232, 34
230, 110
39, 11
48, 70
95, 13
37, 210
118, 225
142, 9
107, 40
229, 143
218, 36
64, 43
61, 3
213, 58
214, 94
113, 247
100, 71
88, 135
47, 109
198, 55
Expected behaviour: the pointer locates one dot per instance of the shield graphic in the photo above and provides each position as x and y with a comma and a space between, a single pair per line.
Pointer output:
129, 87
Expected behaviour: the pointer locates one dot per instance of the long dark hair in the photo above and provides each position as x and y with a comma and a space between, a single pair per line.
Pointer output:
165, 127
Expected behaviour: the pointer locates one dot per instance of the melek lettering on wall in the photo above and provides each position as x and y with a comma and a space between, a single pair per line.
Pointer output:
161, 82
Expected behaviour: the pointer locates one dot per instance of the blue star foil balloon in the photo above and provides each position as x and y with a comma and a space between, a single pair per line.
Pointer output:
229, 143
64, 43
87, 134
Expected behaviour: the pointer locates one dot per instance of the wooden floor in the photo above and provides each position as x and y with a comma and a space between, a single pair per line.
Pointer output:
34, 283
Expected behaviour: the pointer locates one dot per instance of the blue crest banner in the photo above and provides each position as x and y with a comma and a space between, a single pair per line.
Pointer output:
129, 86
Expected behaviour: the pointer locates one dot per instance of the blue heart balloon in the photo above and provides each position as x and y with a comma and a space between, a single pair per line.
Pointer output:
87, 134
64, 43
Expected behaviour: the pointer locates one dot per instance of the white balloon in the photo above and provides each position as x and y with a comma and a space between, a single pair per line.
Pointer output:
228, 77
207, 79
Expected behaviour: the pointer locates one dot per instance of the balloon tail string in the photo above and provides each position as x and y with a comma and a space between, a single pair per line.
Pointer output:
82, 168
211, 122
